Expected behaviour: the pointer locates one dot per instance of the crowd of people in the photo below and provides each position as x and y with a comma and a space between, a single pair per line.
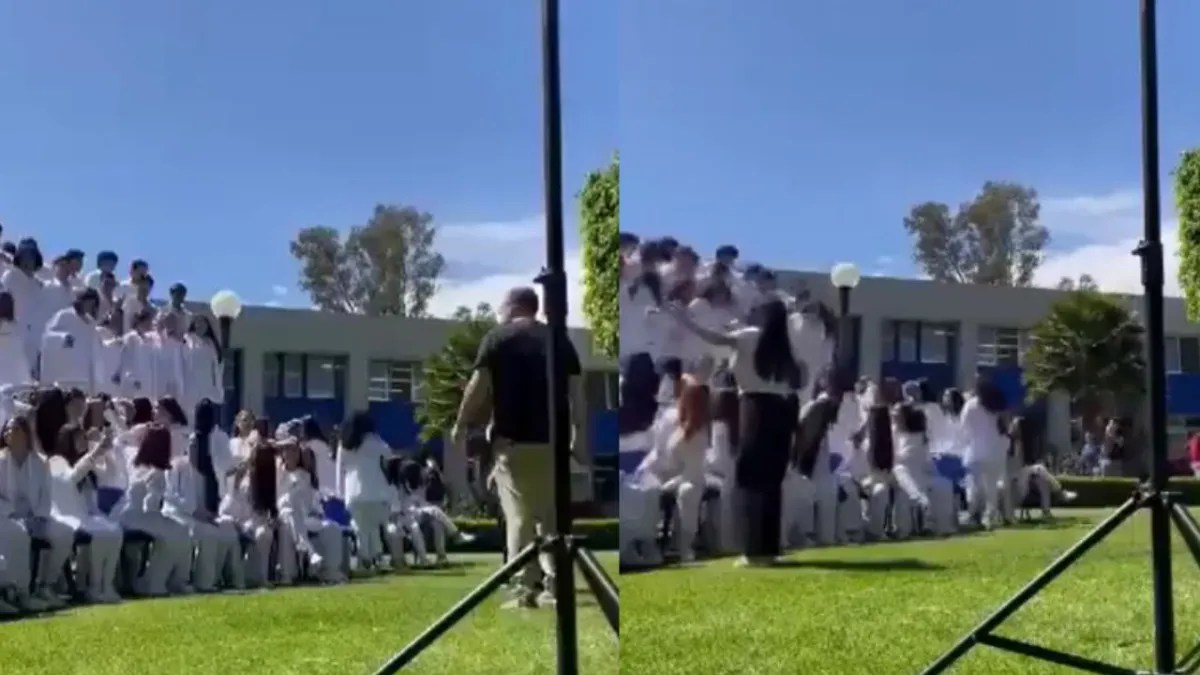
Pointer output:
733, 395
116, 480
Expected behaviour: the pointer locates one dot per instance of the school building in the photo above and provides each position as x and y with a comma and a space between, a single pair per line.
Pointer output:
286, 363
949, 333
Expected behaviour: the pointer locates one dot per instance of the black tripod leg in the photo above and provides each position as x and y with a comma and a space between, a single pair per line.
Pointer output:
1034, 587
601, 585
461, 610
1189, 529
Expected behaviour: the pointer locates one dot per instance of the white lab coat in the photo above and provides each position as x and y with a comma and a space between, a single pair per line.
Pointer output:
812, 347
29, 309
138, 366
15, 370
69, 349
170, 376
363, 485
203, 373
109, 349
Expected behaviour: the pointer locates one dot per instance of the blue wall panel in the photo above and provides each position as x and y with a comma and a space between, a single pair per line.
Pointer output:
940, 375
604, 433
397, 424
1183, 394
1010, 380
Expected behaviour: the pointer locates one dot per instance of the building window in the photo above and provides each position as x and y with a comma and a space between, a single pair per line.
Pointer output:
888, 350
394, 380
1001, 346
1171, 354
293, 376
1189, 355
321, 377
935, 344
906, 341
917, 342
271, 375
601, 390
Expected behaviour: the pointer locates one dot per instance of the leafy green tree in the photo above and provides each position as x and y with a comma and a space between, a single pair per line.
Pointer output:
1085, 283
600, 222
446, 372
995, 239
1090, 346
387, 267
1187, 201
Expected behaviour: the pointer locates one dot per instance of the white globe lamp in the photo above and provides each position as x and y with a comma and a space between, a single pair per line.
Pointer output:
226, 306
845, 275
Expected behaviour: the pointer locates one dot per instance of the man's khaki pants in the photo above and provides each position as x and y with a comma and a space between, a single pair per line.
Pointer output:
524, 479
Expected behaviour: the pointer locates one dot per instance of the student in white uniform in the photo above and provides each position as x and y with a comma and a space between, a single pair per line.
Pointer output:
687, 448
239, 444
931, 495
109, 349
136, 299
194, 498
986, 452
878, 445
170, 371
106, 264
303, 531
73, 502
203, 369
17, 463
27, 290
15, 370
70, 345
139, 358
363, 484
715, 310
60, 292
110, 469
142, 510
250, 504
312, 438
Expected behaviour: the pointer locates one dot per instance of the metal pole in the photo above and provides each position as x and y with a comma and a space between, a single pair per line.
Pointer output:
555, 286
1152, 279
844, 332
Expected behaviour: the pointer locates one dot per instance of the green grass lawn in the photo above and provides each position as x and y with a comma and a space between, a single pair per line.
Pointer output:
340, 630
892, 608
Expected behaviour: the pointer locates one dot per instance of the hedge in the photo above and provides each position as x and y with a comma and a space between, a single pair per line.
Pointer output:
1105, 492
599, 535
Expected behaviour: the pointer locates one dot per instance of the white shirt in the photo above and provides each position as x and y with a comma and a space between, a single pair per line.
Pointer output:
981, 433
58, 295
69, 347
71, 496
360, 472
147, 492
29, 308
169, 375
138, 366
640, 331
689, 453
25, 488
181, 499
296, 494
203, 373
748, 380
14, 365
326, 467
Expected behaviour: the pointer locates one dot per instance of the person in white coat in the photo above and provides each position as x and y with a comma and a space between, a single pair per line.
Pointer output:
139, 358
15, 369
70, 346
931, 495
312, 438
109, 348
170, 378
204, 371
142, 510
205, 464
879, 493
27, 289
17, 459
986, 452
73, 502
304, 534
60, 291
687, 448
251, 505
362, 482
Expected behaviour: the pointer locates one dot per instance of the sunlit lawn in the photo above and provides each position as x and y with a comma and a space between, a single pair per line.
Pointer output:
893, 608
337, 630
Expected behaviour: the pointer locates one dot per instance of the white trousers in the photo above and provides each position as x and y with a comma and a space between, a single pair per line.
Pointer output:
825, 513
638, 516
172, 545
99, 561
875, 508
984, 479
930, 494
689, 492
368, 519
1034, 474
14, 548
261, 534
302, 537
796, 517
230, 562
850, 521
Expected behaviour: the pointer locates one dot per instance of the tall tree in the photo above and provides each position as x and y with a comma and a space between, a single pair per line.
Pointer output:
387, 267
600, 221
1187, 201
1085, 283
1089, 346
446, 372
994, 239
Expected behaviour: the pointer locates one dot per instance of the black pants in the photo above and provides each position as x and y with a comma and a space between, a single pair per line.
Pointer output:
767, 424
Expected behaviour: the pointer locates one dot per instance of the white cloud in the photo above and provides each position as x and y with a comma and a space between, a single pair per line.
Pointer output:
513, 253
279, 290
274, 303
1111, 224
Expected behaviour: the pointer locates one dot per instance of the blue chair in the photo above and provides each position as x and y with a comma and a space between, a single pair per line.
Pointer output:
951, 468
336, 511
835, 460
107, 498
630, 460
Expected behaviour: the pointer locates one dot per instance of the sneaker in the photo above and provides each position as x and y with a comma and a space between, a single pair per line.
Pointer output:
522, 601
546, 599
1069, 495
465, 537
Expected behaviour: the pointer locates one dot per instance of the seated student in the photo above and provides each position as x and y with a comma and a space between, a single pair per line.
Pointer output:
687, 447
363, 484
1027, 472
303, 531
73, 502
932, 495
721, 464
414, 495
195, 497
16, 456
313, 439
250, 504
141, 510
877, 445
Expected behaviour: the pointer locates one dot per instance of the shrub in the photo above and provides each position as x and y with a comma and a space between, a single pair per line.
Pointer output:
599, 535
1104, 492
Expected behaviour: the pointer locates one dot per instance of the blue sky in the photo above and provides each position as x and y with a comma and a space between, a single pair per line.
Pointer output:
202, 135
804, 131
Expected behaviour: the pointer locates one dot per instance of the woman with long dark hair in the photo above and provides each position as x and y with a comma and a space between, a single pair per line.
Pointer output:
767, 373
986, 451
879, 449
363, 484
204, 372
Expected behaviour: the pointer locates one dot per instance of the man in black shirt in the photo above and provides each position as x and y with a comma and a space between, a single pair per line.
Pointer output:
510, 386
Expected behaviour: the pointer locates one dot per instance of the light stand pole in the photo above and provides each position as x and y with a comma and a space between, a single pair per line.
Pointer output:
1164, 506
226, 306
565, 548
845, 277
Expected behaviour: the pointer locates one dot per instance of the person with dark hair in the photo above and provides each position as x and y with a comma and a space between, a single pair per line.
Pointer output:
1027, 470
642, 335
362, 483
722, 464
250, 505
304, 534
878, 447
72, 465
928, 493
136, 298
767, 373
203, 370
142, 510
17, 458
15, 370
169, 413
106, 265
177, 295
171, 373
139, 357
509, 385
713, 308
986, 450
194, 499
61, 289
627, 243
312, 438
69, 345
27, 289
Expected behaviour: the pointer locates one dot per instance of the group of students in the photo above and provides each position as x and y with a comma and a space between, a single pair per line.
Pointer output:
731, 390
119, 498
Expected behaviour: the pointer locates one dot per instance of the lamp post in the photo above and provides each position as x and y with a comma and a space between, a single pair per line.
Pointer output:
226, 306
845, 277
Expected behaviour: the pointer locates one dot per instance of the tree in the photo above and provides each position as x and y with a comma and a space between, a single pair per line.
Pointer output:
1085, 283
600, 221
994, 239
446, 372
387, 267
1089, 346
1187, 200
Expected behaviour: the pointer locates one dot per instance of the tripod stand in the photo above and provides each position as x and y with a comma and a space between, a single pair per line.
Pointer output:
567, 549
1165, 507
